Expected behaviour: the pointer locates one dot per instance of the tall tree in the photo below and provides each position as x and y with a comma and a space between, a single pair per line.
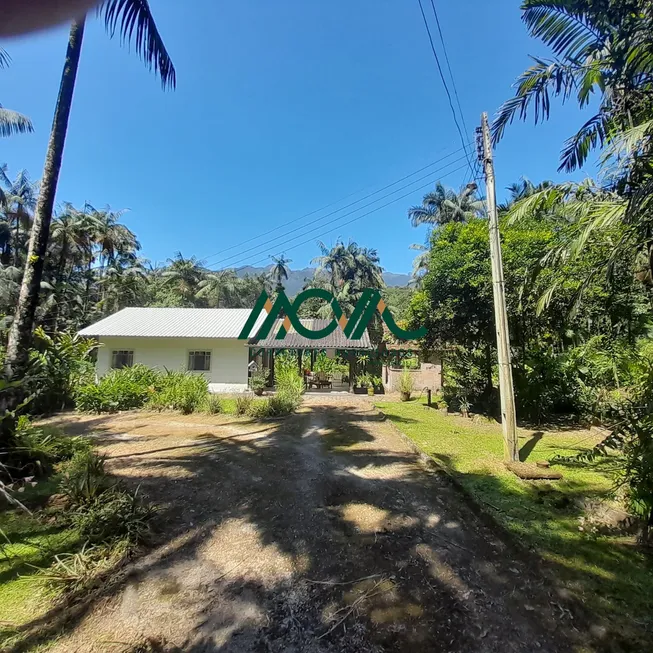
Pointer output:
12, 122
444, 205
133, 21
184, 276
18, 202
280, 270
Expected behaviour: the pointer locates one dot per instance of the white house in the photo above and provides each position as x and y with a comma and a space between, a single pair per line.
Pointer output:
203, 340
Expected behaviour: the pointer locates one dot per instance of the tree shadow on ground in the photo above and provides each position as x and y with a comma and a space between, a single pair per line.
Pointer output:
322, 532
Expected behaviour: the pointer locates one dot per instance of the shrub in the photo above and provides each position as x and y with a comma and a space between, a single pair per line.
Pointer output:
290, 383
259, 381
129, 387
58, 364
243, 404
83, 477
41, 447
260, 409
116, 514
406, 383
282, 404
74, 571
212, 404
178, 390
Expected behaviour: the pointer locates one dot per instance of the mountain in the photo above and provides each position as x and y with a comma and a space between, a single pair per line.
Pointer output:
297, 278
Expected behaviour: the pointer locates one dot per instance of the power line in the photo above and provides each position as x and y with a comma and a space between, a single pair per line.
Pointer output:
323, 218
378, 208
446, 57
306, 215
444, 81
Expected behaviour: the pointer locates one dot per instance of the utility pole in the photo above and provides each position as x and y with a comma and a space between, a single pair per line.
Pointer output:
508, 417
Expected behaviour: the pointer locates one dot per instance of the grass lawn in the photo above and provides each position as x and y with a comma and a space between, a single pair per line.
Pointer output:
28, 543
609, 574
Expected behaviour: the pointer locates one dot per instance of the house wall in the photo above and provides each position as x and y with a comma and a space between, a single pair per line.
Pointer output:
428, 376
229, 357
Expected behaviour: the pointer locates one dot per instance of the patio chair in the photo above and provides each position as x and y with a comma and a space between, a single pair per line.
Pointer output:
322, 380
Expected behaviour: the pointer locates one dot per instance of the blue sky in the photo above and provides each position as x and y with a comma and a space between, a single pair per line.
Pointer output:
281, 107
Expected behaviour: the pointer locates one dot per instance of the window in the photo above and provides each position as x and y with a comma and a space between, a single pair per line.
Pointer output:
122, 358
199, 361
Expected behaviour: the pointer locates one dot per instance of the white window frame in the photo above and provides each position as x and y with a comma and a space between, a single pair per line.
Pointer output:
117, 352
205, 352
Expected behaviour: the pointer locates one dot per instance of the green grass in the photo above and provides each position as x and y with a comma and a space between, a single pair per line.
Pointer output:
27, 544
609, 574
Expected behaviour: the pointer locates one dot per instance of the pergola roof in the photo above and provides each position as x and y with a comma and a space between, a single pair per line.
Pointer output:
337, 339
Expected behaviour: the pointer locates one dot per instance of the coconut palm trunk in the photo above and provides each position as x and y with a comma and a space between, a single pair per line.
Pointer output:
21, 328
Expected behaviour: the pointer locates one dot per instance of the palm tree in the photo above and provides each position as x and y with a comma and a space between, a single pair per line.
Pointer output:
280, 271
183, 275
600, 49
12, 122
123, 285
18, 201
112, 238
133, 21
217, 287
350, 266
420, 264
444, 205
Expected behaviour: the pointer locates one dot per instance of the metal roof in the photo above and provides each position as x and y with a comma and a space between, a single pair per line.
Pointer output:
173, 323
337, 340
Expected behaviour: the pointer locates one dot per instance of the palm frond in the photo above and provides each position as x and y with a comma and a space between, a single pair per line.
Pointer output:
133, 21
12, 122
563, 26
5, 59
534, 87
577, 148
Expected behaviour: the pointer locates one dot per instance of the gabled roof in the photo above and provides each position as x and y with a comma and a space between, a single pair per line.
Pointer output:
173, 323
337, 339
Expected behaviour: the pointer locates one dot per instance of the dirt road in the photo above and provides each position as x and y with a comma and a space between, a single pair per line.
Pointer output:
321, 532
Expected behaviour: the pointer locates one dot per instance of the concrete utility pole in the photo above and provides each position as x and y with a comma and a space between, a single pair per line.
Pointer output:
508, 418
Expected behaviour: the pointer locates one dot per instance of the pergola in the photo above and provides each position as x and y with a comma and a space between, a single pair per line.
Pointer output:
336, 342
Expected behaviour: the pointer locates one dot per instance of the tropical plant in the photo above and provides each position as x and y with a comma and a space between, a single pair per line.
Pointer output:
600, 49
12, 122
443, 205
184, 275
133, 21
259, 381
279, 271
406, 385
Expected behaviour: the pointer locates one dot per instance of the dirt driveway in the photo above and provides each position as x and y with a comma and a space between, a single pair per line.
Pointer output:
321, 532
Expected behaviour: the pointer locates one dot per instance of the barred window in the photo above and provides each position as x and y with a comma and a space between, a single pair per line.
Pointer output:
122, 358
199, 361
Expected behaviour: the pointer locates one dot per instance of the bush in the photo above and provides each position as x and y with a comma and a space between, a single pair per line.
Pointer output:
39, 448
406, 383
282, 404
116, 514
58, 364
243, 404
260, 409
212, 404
129, 387
259, 381
178, 390
290, 386
83, 477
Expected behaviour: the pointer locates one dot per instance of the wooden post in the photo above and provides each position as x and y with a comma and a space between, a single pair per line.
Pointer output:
272, 368
352, 369
508, 417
